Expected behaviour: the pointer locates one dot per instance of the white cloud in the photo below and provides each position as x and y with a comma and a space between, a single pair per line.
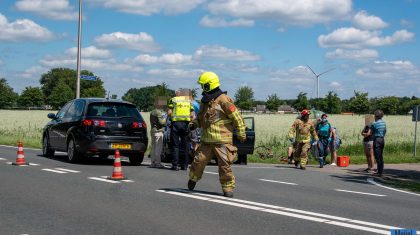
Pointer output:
175, 58
92, 59
175, 73
291, 12
336, 86
33, 73
138, 42
222, 53
407, 24
370, 22
398, 70
364, 54
52, 9
23, 30
356, 38
90, 52
221, 22
299, 75
149, 7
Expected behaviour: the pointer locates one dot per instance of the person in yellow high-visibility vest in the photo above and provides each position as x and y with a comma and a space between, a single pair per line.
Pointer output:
181, 112
301, 132
218, 117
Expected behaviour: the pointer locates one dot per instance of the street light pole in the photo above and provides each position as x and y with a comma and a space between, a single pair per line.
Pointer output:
79, 42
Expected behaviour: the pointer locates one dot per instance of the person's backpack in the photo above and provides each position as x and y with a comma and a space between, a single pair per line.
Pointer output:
337, 136
324, 130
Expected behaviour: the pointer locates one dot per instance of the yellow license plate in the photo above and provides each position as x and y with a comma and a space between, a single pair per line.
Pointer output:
121, 146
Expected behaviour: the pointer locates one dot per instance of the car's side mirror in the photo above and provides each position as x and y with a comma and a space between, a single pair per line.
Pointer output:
51, 116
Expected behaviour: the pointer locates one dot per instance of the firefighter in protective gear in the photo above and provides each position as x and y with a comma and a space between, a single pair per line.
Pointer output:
218, 117
301, 132
180, 113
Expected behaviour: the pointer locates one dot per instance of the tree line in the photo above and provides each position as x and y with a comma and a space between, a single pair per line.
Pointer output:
360, 103
58, 86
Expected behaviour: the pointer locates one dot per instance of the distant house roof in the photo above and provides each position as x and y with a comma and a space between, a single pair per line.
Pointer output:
286, 108
261, 108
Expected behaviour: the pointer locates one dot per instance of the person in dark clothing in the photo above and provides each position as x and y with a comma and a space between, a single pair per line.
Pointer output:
180, 111
368, 147
379, 132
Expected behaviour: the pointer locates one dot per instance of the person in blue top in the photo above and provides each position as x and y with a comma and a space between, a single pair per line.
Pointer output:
379, 132
324, 132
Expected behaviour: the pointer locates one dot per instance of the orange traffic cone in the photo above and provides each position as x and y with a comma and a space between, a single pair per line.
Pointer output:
20, 160
117, 173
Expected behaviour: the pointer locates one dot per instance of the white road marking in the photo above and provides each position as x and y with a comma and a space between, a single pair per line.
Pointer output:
370, 194
2, 159
279, 182
372, 181
14, 147
105, 180
301, 214
33, 164
212, 173
68, 170
55, 171
260, 167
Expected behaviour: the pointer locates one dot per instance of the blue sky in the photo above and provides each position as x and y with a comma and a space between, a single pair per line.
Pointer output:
265, 44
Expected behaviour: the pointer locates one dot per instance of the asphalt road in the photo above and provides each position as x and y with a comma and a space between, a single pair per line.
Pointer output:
51, 196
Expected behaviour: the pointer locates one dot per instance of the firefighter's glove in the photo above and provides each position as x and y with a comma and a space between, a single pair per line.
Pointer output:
242, 139
292, 140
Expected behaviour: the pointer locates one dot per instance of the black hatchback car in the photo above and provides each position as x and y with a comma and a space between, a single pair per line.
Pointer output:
96, 126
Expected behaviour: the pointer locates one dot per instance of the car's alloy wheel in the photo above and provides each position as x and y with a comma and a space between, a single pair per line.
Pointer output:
72, 153
46, 151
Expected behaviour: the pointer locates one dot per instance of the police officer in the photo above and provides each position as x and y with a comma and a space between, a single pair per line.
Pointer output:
218, 117
301, 132
180, 109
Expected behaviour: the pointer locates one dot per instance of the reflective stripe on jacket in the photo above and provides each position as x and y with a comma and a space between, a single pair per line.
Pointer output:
218, 118
301, 131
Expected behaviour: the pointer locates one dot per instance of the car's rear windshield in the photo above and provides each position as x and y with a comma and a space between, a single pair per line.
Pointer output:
112, 109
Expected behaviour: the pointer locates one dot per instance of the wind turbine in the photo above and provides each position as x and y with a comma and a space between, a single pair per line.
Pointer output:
317, 78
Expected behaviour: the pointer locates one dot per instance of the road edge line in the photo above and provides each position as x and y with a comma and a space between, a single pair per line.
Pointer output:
372, 181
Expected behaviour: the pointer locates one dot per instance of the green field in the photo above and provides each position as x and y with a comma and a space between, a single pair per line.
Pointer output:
271, 130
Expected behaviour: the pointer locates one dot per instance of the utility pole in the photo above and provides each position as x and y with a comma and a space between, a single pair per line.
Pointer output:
79, 42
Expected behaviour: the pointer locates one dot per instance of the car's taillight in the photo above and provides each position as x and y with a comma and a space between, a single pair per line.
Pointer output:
139, 125
88, 122
100, 123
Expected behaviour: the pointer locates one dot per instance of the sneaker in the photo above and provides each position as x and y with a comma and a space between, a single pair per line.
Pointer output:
159, 165
333, 164
174, 168
228, 194
191, 184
